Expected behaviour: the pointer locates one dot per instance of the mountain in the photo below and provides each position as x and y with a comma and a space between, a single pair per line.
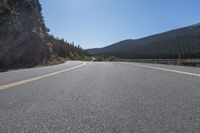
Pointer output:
184, 42
24, 38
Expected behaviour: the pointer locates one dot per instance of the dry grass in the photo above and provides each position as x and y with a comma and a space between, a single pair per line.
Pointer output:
54, 60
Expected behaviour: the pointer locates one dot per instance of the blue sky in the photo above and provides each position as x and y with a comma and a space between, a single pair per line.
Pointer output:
97, 23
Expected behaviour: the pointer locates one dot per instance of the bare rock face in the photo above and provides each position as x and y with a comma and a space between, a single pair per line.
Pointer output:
22, 34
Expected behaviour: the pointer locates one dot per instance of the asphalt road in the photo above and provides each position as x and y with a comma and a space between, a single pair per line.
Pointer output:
101, 97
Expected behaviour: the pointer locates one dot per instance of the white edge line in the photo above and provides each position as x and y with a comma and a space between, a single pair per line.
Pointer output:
168, 70
9, 85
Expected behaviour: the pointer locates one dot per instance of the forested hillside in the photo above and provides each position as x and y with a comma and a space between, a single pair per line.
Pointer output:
184, 42
24, 38
61, 48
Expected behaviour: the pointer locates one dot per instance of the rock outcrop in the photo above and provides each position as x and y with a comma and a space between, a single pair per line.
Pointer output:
22, 34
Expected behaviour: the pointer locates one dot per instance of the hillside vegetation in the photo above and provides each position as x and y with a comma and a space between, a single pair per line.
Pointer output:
183, 42
24, 38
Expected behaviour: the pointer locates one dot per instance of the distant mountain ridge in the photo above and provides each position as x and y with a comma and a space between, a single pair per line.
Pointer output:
184, 41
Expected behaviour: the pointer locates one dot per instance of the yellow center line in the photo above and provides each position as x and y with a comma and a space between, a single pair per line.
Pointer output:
10, 85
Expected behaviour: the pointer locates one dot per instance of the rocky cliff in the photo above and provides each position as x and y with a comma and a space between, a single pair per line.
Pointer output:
22, 34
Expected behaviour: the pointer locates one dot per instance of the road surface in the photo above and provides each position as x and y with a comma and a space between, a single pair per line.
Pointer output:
101, 97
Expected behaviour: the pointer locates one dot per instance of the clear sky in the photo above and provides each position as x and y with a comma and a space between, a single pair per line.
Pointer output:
97, 23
